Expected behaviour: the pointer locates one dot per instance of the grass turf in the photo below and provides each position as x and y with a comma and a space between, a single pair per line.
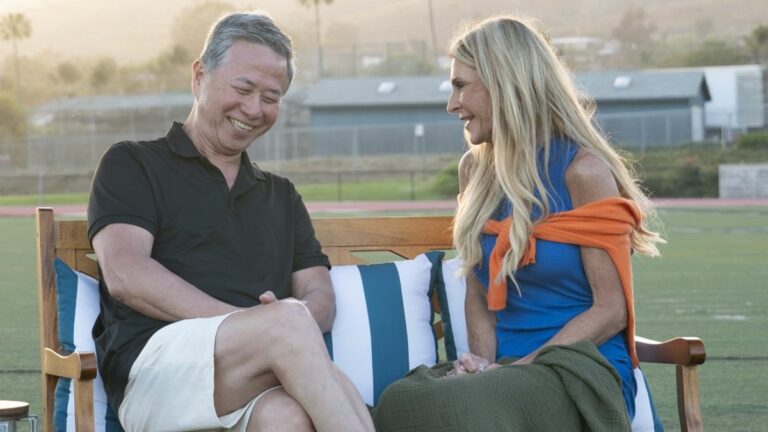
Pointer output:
709, 283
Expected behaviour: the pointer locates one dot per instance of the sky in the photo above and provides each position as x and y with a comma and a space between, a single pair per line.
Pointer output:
133, 31
22, 5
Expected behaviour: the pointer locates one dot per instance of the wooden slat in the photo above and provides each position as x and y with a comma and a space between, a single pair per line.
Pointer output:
72, 234
688, 400
84, 263
84, 405
376, 232
46, 289
341, 256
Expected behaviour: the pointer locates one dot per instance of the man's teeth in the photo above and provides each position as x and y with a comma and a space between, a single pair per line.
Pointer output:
240, 125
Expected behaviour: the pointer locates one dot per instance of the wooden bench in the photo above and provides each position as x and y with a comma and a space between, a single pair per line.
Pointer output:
407, 237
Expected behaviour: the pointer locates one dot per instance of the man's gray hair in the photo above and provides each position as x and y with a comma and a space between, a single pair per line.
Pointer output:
255, 27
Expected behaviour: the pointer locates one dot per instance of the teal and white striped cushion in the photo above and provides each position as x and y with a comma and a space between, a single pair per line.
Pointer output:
384, 317
451, 291
77, 303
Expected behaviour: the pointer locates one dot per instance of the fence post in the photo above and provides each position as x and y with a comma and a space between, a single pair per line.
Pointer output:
40, 188
338, 186
413, 186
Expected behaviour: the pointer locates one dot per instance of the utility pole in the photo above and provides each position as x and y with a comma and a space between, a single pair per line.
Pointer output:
433, 36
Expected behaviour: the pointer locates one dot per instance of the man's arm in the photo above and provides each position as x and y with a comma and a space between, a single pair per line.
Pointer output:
313, 286
135, 279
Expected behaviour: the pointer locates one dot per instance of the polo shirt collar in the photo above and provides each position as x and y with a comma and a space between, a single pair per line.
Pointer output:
181, 145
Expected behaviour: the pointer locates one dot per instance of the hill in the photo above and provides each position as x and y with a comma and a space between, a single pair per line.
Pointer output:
135, 30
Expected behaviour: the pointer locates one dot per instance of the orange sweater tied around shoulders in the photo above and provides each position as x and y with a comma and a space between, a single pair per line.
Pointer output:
605, 224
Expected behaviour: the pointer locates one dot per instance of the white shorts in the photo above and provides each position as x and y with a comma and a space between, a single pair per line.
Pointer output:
170, 386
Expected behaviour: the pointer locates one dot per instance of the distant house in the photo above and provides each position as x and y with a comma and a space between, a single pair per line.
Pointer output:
383, 115
649, 107
739, 96
73, 132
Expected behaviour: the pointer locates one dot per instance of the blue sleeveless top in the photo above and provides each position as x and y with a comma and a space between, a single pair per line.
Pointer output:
553, 290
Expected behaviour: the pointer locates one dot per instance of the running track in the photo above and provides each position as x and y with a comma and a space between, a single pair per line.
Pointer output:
412, 206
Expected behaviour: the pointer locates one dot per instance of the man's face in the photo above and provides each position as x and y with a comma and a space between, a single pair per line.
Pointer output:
239, 100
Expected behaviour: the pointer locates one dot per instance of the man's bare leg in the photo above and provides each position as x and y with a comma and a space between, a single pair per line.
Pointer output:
280, 343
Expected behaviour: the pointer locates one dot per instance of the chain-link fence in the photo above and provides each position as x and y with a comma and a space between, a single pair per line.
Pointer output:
66, 161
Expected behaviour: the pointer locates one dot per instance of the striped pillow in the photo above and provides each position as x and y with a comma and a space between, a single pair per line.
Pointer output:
77, 304
383, 326
451, 291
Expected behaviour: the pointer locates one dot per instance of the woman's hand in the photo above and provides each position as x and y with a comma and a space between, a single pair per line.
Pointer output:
469, 363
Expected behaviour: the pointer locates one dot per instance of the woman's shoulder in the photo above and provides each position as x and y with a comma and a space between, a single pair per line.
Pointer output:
589, 178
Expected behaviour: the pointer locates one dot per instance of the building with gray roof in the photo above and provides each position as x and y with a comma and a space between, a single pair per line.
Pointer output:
635, 108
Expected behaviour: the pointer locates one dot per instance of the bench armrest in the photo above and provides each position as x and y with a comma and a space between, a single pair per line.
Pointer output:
686, 353
81, 368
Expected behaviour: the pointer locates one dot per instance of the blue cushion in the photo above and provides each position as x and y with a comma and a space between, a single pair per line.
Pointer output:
77, 304
451, 291
384, 316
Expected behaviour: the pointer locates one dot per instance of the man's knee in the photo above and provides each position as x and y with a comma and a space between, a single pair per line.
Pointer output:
277, 411
288, 320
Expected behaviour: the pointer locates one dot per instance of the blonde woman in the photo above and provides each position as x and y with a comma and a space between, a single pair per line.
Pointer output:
548, 216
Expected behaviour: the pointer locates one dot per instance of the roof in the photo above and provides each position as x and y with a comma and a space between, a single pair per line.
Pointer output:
137, 101
117, 102
638, 85
656, 84
422, 90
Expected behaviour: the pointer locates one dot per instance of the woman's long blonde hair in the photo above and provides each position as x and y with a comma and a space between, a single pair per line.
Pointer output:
533, 100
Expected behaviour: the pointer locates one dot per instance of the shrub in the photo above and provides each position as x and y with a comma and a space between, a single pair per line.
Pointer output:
446, 181
688, 180
753, 140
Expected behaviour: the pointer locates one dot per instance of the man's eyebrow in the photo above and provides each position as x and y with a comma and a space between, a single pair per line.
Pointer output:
246, 81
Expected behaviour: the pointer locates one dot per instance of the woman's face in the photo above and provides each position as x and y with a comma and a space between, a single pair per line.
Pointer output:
471, 101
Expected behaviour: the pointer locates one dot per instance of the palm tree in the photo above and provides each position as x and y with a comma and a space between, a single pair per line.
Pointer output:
15, 27
316, 4
435, 48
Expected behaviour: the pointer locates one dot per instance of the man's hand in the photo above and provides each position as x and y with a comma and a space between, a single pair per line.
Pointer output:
267, 298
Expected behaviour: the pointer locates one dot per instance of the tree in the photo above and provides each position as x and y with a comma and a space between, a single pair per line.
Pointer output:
432, 34
103, 72
715, 52
634, 32
757, 43
13, 129
189, 30
15, 27
68, 72
316, 4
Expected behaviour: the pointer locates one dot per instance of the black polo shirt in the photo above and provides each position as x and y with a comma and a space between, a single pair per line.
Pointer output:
232, 244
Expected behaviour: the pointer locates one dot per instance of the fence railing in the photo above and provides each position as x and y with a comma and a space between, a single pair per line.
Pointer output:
344, 185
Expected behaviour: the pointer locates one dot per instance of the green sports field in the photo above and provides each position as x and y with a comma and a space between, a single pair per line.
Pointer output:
710, 282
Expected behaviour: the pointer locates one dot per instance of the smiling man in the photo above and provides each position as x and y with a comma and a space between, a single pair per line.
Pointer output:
214, 290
